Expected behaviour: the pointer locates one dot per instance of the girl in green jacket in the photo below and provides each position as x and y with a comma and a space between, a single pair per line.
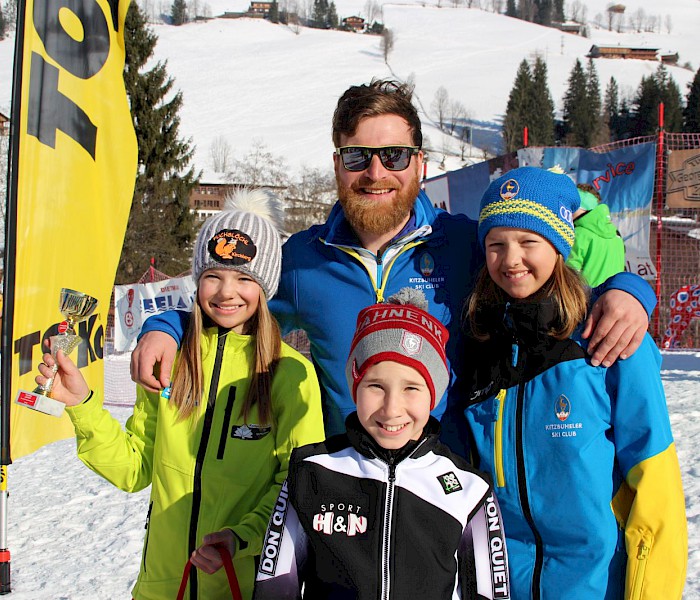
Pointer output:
215, 446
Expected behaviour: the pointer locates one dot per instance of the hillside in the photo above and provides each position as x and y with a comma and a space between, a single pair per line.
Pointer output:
250, 81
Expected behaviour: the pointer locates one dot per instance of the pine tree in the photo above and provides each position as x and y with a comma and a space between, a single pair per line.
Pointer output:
542, 128
161, 224
320, 14
274, 12
178, 12
332, 16
611, 111
691, 113
518, 109
597, 133
576, 111
511, 10
657, 88
3, 24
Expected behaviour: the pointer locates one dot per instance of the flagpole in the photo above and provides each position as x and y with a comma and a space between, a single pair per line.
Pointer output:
9, 296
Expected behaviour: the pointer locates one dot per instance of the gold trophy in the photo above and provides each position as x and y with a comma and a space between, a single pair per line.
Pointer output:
75, 307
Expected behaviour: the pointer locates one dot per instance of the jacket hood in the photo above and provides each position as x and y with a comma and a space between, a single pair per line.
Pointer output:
597, 221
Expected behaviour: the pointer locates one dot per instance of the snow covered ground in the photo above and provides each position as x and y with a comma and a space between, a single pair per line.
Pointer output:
75, 537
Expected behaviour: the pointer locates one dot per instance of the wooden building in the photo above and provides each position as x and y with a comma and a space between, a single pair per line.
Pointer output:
623, 52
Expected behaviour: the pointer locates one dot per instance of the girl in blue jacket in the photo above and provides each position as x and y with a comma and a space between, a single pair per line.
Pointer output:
582, 457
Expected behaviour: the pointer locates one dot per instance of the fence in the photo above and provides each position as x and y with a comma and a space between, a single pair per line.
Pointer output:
674, 241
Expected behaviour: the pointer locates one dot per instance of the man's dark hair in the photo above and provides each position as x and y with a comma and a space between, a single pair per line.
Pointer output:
380, 97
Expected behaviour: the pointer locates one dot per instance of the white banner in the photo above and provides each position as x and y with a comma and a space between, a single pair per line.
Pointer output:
134, 303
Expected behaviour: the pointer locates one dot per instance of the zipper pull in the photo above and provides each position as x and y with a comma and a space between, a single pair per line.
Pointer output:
643, 551
392, 470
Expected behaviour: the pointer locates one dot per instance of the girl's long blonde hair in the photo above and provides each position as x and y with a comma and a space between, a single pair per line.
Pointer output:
565, 288
188, 379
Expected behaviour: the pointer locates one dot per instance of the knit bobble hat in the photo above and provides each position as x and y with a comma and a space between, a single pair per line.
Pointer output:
400, 331
534, 199
243, 237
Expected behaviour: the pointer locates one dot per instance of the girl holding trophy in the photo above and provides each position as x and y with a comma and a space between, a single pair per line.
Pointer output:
215, 446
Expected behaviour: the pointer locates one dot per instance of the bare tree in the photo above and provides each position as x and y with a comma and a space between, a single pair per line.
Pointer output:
373, 12
441, 105
260, 168
220, 154
457, 113
310, 198
387, 43
669, 24
637, 19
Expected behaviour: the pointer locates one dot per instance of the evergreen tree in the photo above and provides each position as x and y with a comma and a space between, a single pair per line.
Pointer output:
691, 113
558, 11
543, 13
161, 224
320, 14
576, 112
598, 133
3, 24
657, 88
511, 10
178, 12
274, 12
519, 108
542, 128
611, 111
332, 16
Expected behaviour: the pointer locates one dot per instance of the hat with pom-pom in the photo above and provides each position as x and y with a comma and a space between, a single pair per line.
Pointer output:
535, 199
400, 330
245, 237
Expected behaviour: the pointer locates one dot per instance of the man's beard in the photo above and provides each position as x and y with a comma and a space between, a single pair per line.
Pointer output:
377, 216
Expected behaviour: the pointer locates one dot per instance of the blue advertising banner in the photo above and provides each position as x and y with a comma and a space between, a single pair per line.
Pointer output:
624, 179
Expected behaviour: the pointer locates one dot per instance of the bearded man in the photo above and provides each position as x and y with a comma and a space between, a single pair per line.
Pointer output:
382, 235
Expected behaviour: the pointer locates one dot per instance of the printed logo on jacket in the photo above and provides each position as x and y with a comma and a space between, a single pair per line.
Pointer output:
340, 517
275, 531
562, 411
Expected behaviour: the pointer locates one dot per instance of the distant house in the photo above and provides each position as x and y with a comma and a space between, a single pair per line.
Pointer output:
353, 24
623, 52
207, 199
668, 58
571, 27
260, 9
4, 124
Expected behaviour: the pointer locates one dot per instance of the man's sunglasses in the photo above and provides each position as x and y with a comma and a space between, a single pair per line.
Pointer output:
393, 158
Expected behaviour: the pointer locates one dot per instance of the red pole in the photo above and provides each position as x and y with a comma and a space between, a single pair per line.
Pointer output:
660, 186
152, 269
425, 175
524, 137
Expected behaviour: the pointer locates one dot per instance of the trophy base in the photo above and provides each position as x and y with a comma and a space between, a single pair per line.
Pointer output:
39, 402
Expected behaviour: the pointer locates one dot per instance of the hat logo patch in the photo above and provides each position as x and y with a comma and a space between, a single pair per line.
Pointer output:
509, 189
411, 343
231, 247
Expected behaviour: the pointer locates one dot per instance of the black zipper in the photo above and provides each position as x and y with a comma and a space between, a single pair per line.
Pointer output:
227, 421
522, 490
201, 453
148, 532
386, 546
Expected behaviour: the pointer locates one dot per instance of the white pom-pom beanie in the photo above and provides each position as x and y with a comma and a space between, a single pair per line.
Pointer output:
245, 237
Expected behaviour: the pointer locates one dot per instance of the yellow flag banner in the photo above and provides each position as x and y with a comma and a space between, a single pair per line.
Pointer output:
74, 162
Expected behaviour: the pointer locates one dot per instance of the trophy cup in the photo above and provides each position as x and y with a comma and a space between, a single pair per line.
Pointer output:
75, 307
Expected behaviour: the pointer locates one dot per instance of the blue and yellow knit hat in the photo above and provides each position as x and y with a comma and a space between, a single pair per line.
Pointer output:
534, 199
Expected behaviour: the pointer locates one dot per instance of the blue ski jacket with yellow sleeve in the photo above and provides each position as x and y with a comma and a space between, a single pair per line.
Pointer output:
583, 463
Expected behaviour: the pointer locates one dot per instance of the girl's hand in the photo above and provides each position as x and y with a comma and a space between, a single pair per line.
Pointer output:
207, 557
69, 386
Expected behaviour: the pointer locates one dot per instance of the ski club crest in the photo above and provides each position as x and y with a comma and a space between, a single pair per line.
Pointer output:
562, 408
509, 189
427, 264
411, 343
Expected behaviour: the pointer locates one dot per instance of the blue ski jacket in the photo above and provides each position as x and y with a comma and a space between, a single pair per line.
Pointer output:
583, 463
327, 278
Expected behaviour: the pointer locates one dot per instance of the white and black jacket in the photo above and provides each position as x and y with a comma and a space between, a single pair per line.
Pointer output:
356, 521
